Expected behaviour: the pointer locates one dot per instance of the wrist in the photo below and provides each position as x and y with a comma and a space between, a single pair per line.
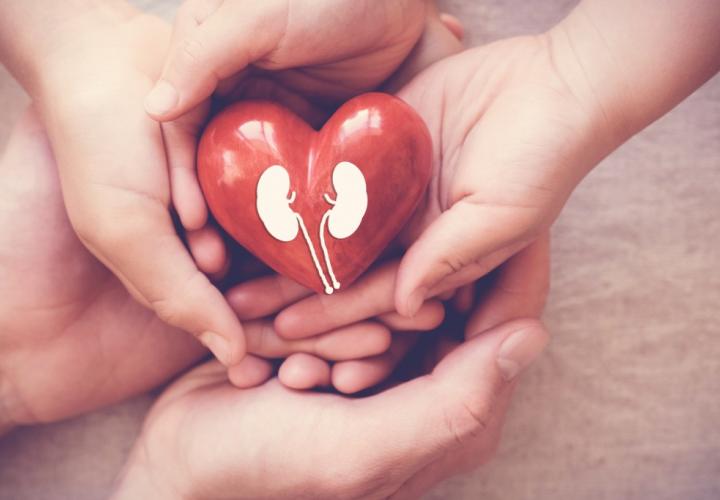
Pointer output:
589, 69
52, 33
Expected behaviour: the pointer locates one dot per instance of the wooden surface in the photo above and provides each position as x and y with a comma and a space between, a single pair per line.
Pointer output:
625, 405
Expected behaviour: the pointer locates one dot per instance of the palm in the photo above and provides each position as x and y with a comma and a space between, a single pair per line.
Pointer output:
502, 122
66, 321
398, 442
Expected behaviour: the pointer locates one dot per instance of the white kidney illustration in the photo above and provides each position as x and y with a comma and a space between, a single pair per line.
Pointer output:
350, 203
281, 221
348, 208
342, 219
273, 204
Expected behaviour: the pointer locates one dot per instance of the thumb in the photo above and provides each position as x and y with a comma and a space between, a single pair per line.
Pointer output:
212, 40
464, 243
425, 418
145, 253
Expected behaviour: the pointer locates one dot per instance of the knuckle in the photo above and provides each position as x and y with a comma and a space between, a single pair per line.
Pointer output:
190, 52
467, 421
180, 306
98, 229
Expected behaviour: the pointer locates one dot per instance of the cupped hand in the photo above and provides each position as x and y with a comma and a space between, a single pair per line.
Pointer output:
71, 338
67, 322
114, 171
206, 439
517, 289
511, 141
309, 55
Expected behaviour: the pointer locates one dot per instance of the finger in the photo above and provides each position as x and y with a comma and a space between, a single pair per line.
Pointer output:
456, 401
208, 250
370, 296
351, 342
250, 372
453, 24
519, 290
264, 296
429, 317
146, 254
464, 459
357, 375
210, 42
180, 138
449, 245
304, 371
464, 298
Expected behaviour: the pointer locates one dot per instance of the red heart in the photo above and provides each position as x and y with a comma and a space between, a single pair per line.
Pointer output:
377, 133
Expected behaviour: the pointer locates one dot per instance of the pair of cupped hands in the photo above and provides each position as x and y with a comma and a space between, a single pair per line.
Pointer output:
97, 170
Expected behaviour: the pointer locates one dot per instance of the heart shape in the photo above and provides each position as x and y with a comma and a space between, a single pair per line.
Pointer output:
316, 206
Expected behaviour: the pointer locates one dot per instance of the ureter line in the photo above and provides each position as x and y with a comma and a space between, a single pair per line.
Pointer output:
328, 288
325, 216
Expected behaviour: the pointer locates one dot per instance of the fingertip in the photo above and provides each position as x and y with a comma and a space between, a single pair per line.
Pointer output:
344, 378
162, 101
286, 324
453, 24
302, 371
351, 377
242, 301
250, 372
208, 249
409, 303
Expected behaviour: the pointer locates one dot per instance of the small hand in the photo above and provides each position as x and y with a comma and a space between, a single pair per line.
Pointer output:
398, 443
114, 171
517, 289
309, 55
512, 141
71, 338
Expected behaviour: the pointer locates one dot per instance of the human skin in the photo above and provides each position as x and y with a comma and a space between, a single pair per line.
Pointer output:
520, 122
88, 64
72, 339
516, 124
206, 439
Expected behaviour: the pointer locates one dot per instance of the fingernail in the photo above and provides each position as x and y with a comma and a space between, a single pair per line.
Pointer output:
217, 345
415, 301
519, 350
161, 99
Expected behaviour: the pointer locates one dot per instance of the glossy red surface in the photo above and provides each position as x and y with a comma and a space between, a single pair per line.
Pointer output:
378, 133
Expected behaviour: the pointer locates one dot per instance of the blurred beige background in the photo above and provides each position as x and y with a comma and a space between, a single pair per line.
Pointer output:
626, 403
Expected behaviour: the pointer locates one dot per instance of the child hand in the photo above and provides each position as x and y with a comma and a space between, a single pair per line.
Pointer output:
71, 338
518, 289
309, 52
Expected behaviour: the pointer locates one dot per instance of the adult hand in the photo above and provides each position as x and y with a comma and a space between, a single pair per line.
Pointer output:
71, 337
111, 156
67, 322
517, 289
397, 443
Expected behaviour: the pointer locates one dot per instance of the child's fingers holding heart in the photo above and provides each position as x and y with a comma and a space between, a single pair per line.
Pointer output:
354, 341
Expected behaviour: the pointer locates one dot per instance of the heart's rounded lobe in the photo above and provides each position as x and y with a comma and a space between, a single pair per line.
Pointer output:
380, 134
